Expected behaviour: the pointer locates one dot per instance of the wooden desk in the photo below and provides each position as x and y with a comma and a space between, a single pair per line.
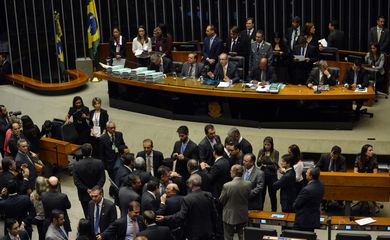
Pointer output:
291, 218
56, 151
268, 218
346, 223
277, 238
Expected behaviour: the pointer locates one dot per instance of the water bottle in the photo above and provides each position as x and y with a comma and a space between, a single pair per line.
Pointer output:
201, 79
174, 75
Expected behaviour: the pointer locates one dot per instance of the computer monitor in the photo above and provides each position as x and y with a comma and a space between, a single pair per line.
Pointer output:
352, 236
299, 234
252, 233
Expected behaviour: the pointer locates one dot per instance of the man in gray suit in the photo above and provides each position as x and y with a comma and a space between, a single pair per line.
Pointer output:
234, 197
256, 177
56, 229
260, 49
192, 69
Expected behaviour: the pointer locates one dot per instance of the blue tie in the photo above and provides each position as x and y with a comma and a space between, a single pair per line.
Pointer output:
97, 219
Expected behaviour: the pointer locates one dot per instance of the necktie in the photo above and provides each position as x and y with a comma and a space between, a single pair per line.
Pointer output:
302, 51
249, 33
246, 175
211, 42
161, 68
62, 233
224, 72
97, 218
258, 48
233, 48
323, 79
293, 39
262, 75
378, 34
355, 77
134, 228
149, 164
190, 72
331, 165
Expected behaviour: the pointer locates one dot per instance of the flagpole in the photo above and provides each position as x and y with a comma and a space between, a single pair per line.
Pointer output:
82, 28
55, 40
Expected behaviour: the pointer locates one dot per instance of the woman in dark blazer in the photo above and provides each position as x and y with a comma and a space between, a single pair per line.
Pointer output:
117, 45
80, 115
98, 119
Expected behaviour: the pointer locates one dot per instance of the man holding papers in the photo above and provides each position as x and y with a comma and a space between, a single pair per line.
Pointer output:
224, 70
263, 73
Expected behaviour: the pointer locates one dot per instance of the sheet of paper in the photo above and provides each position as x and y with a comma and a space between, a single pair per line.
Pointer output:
264, 88
361, 90
323, 42
299, 58
118, 62
138, 52
223, 84
365, 221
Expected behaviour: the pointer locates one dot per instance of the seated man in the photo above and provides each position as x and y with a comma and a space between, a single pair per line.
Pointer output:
333, 161
356, 77
192, 68
263, 73
224, 71
160, 63
321, 75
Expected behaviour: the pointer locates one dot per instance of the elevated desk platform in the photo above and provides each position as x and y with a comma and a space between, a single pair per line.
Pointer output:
56, 151
293, 107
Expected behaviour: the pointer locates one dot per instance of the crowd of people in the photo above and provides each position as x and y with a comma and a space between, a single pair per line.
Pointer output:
200, 191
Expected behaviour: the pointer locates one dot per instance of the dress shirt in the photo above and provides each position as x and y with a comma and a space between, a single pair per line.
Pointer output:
144, 47
96, 118
303, 50
212, 142
247, 173
149, 163
14, 237
183, 146
217, 159
212, 40
378, 32
130, 235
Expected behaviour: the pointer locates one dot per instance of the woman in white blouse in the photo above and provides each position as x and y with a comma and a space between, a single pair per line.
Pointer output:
142, 46
376, 59
298, 166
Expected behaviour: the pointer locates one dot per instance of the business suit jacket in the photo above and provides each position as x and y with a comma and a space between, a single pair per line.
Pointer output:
384, 41
87, 173
256, 179
13, 143
339, 165
171, 206
379, 63
23, 158
270, 75
56, 200
120, 175
362, 77
245, 146
198, 68
158, 160
218, 175
314, 78
149, 202
53, 234
155, 232
117, 230
234, 197
214, 51
231, 72
167, 66
311, 53
122, 50
198, 213
206, 150
23, 235
286, 184
289, 35
307, 205
107, 214
336, 39
252, 37
143, 175
265, 51
241, 47
205, 181
103, 119
109, 156
4, 125
190, 152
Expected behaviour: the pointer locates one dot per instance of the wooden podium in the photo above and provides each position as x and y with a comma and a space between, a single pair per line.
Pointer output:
56, 151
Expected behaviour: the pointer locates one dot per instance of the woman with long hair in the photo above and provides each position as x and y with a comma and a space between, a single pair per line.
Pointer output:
31, 132
117, 45
142, 46
41, 186
80, 115
376, 59
298, 166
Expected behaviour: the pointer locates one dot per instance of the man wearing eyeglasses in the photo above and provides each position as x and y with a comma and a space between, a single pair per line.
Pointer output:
225, 71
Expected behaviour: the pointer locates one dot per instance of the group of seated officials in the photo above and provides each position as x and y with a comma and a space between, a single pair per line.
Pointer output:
177, 196
287, 59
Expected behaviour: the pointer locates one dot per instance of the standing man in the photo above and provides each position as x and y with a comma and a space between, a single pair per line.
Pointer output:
336, 37
256, 177
183, 150
260, 49
234, 197
56, 229
249, 31
307, 204
5, 123
294, 32
300, 70
212, 47
154, 231
87, 173
192, 68
206, 146
109, 145
154, 159
15, 231
25, 158
245, 145
101, 211
379, 34
237, 46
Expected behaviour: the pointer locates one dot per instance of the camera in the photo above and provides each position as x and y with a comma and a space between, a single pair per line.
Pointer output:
16, 113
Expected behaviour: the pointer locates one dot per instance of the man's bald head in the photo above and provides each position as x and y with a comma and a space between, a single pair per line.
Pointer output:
172, 189
53, 181
263, 63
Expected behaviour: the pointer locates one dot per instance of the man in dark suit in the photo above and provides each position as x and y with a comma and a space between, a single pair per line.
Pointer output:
54, 199
234, 198
336, 37
380, 34
197, 212
321, 75
153, 231
126, 227
125, 169
16, 135
101, 211
139, 165
192, 69
87, 173
249, 32
307, 204
193, 168
183, 150
109, 145
356, 77
294, 32
206, 146
150, 199
129, 192
257, 178
25, 158
159, 63
14, 230
18, 207
333, 161
225, 71
237, 46
153, 159
300, 69
258, 50
212, 47
286, 184
232, 151
263, 73
5, 124
5, 67
245, 145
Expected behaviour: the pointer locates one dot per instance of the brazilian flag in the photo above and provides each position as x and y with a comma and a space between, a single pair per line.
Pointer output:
60, 50
93, 29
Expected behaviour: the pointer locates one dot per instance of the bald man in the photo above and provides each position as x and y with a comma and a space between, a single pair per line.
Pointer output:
224, 70
54, 199
192, 69
263, 73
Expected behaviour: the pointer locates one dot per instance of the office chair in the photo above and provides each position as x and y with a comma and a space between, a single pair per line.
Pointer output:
240, 62
352, 236
383, 237
299, 234
253, 233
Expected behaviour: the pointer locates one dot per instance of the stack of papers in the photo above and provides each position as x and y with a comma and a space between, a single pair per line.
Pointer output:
299, 58
133, 74
323, 42
154, 77
365, 221
141, 75
361, 90
263, 89
223, 84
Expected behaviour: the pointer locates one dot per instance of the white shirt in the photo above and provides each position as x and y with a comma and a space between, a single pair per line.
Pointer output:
151, 162
298, 171
145, 47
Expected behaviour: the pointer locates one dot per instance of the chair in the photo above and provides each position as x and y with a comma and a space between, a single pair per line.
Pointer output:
253, 233
299, 234
177, 66
336, 73
240, 62
352, 236
383, 237
330, 53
